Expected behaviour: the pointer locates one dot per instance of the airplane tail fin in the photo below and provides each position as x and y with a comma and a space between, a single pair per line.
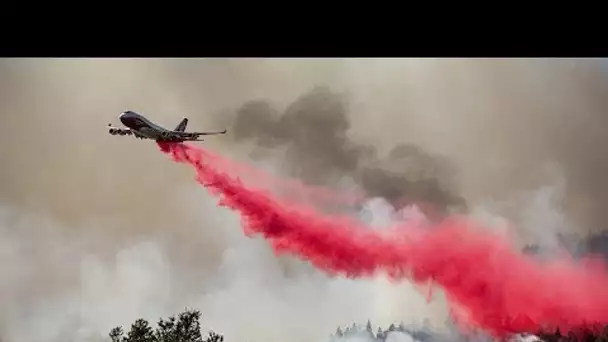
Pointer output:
182, 125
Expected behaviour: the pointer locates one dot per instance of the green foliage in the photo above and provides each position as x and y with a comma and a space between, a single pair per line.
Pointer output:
185, 328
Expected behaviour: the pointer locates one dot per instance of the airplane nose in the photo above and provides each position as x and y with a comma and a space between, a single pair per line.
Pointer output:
124, 117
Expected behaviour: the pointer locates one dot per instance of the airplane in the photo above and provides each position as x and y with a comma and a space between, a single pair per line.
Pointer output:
142, 128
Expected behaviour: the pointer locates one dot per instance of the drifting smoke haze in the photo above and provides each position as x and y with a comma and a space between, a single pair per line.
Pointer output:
313, 131
99, 230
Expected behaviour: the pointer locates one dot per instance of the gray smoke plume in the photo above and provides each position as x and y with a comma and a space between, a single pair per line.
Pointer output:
313, 131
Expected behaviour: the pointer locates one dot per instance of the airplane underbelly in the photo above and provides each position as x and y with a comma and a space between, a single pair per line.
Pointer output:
148, 132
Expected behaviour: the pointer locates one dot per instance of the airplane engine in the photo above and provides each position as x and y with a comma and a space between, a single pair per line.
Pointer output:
112, 131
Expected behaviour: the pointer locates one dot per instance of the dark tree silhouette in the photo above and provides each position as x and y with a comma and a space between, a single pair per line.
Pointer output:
587, 333
185, 328
117, 334
140, 332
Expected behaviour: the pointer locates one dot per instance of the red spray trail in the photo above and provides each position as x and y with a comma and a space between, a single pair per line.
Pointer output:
501, 290
293, 189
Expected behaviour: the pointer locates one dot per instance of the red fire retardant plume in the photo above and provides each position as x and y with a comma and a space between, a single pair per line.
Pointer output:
499, 289
253, 177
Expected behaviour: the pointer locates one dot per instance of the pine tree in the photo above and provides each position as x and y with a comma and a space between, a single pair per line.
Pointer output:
117, 334
186, 328
140, 332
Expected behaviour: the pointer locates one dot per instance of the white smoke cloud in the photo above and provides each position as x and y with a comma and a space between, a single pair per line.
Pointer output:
251, 295
533, 216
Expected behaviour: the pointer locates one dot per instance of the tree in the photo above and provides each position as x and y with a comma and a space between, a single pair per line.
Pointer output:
116, 334
186, 328
140, 332
380, 334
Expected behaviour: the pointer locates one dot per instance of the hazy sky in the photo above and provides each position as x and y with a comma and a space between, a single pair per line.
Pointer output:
98, 230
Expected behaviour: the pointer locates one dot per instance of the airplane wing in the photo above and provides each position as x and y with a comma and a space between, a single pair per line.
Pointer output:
208, 133
193, 136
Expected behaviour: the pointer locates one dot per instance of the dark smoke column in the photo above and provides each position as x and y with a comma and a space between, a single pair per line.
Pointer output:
313, 132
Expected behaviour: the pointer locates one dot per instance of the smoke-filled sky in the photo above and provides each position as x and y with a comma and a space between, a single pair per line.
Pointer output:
97, 230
